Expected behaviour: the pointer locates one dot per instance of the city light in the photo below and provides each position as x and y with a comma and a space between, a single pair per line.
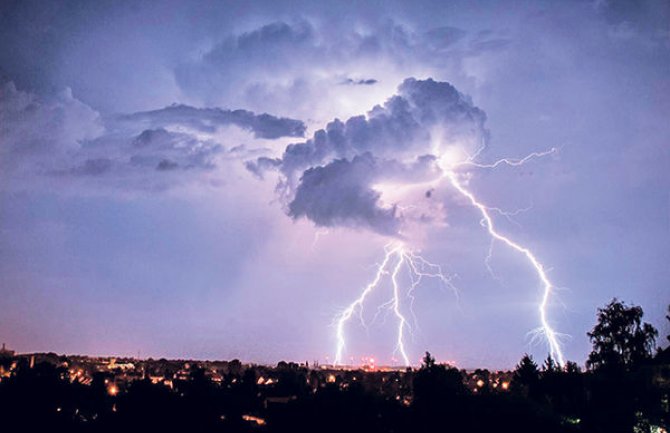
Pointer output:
253, 419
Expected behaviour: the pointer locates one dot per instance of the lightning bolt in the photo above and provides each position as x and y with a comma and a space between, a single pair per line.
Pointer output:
402, 322
550, 334
396, 259
357, 306
506, 161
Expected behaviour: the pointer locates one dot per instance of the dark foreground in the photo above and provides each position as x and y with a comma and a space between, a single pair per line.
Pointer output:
625, 388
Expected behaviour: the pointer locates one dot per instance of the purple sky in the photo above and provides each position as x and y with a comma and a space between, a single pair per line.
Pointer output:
149, 202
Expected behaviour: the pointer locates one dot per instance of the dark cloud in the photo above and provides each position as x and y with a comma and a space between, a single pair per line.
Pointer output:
92, 167
166, 165
329, 178
642, 13
251, 68
151, 136
32, 125
360, 82
209, 119
644, 21
267, 47
130, 162
277, 35
263, 164
167, 150
400, 128
339, 194
61, 137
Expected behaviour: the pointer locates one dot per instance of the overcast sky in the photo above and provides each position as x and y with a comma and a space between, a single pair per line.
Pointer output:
218, 179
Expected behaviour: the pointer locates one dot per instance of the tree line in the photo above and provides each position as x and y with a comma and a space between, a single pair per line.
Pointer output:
625, 387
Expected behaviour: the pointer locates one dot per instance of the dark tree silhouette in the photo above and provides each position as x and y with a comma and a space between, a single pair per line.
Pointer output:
428, 361
484, 375
620, 339
231, 397
436, 382
622, 346
663, 355
572, 367
235, 367
437, 385
550, 366
526, 377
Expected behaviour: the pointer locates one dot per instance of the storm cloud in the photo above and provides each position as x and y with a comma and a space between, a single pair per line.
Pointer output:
330, 67
57, 135
41, 126
209, 119
339, 194
330, 178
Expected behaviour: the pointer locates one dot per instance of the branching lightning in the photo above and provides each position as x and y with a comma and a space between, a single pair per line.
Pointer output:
402, 322
506, 161
398, 257
551, 335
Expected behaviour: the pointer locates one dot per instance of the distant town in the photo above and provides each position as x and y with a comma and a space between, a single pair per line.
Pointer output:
118, 374
625, 387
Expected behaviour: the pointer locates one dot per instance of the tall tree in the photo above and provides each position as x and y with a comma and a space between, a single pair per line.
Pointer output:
526, 371
435, 384
572, 367
550, 366
663, 355
526, 377
620, 339
428, 361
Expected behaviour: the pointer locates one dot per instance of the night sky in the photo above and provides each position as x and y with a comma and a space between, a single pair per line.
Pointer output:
219, 179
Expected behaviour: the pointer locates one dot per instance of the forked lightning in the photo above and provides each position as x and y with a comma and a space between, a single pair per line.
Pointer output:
397, 257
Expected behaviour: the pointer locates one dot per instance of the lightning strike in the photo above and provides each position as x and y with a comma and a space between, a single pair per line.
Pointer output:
357, 305
397, 259
507, 161
402, 322
550, 334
